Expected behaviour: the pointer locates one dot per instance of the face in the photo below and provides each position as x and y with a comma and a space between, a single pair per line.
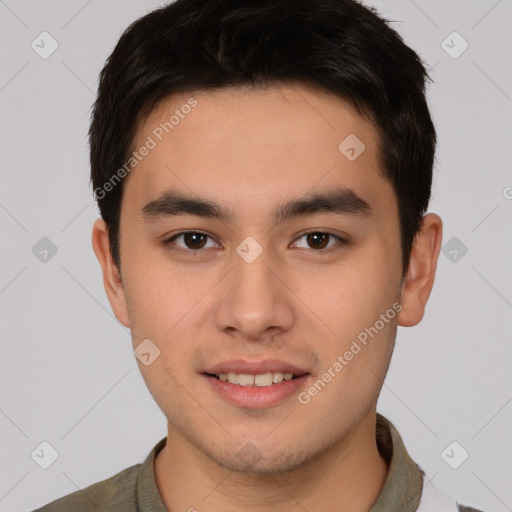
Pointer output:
253, 244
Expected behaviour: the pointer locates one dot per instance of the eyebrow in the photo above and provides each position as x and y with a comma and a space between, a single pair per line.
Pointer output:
341, 201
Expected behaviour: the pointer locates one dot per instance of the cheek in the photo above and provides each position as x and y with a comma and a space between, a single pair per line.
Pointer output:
164, 298
360, 305
148, 290
353, 296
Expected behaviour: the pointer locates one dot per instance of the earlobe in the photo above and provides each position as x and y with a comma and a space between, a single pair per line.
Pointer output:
112, 280
421, 273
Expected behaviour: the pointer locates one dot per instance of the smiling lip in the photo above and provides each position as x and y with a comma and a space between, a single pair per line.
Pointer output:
255, 397
254, 367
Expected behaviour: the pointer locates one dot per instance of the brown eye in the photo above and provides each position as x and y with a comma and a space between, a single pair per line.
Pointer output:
192, 241
319, 240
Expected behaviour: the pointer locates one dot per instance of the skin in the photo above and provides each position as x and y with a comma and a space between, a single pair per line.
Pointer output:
251, 150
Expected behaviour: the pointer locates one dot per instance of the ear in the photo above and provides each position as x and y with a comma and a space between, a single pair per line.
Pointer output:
112, 280
422, 269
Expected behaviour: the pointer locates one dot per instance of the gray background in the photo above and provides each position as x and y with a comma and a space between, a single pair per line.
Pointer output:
68, 374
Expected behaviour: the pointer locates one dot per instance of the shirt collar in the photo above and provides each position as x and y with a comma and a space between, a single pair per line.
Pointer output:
148, 496
404, 481
401, 491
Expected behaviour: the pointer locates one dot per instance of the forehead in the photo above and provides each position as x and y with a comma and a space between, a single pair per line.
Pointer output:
247, 143
296, 114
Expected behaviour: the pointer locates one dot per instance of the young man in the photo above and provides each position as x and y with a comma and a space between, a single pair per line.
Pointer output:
263, 169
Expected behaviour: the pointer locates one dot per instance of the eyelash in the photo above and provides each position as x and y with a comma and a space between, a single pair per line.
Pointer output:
197, 252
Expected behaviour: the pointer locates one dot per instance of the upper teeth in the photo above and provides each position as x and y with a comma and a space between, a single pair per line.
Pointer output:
262, 379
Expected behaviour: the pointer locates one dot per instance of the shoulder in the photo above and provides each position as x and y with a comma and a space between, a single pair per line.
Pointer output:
115, 494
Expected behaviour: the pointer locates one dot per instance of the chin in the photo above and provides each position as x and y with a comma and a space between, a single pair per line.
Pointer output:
253, 458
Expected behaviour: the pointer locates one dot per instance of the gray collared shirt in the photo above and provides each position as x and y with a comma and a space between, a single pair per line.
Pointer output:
134, 489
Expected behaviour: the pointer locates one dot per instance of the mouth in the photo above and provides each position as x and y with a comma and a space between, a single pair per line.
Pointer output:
255, 385
249, 380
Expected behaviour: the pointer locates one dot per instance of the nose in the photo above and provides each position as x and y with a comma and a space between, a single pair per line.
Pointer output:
255, 302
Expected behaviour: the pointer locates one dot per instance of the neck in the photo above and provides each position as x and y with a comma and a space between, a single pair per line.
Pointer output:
348, 476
